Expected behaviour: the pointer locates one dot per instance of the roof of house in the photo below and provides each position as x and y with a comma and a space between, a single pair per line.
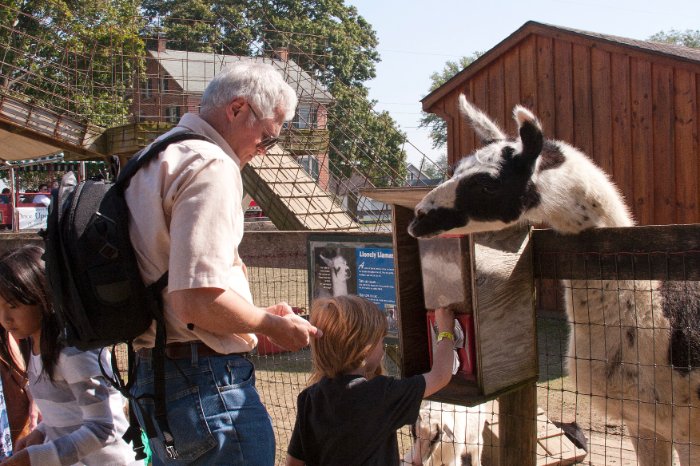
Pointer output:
676, 52
194, 70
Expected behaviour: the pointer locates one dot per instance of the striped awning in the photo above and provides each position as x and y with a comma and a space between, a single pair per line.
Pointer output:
50, 163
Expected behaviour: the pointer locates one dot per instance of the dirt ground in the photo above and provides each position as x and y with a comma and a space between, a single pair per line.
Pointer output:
281, 376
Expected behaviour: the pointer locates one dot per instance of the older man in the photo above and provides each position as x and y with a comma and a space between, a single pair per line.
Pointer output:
213, 409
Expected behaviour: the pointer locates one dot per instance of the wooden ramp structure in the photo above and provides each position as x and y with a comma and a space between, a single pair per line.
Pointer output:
291, 198
280, 186
29, 131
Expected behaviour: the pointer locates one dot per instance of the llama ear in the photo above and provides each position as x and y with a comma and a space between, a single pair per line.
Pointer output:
486, 129
530, 132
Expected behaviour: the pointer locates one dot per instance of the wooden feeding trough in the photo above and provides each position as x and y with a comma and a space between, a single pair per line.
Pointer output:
490, 280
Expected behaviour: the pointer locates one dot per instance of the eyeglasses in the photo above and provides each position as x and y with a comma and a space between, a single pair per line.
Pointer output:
268, 140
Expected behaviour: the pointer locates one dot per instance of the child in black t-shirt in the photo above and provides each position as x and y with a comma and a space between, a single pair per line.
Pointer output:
350, 412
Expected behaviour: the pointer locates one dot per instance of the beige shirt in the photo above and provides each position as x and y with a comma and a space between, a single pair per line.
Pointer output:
185, 217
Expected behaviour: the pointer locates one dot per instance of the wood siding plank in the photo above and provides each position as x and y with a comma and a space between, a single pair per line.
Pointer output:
664, 160
601, 91
496, 94
583, 109
563, 100
686, 143
642, 200
621, 130
480, 98
528, 74
511, 66
545, 86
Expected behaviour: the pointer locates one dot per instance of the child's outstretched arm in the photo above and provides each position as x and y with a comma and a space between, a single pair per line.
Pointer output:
443, 354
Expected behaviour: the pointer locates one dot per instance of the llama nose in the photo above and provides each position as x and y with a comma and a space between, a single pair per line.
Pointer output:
420, 213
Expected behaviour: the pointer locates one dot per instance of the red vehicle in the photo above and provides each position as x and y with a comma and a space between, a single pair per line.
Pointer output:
21, 200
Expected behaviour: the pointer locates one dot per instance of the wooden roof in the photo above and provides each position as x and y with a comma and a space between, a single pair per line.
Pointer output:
663, 51
193, 70
29, 131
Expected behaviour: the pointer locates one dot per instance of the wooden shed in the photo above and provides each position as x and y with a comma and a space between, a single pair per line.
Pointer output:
631, 105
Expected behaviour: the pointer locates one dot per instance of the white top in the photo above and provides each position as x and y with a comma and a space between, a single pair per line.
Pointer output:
186, 217
82, 414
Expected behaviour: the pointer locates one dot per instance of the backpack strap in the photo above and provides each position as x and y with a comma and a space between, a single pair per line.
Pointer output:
139, 160
150, 152
158, 355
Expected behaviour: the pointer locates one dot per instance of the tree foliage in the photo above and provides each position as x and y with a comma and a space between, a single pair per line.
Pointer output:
72, 56
437, 126
687, 38
327, 38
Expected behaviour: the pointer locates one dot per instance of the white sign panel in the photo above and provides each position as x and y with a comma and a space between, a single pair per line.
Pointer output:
32, 218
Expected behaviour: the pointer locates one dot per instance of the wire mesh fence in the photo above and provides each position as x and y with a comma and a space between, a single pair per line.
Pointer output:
583, 390
620, 355
628, 381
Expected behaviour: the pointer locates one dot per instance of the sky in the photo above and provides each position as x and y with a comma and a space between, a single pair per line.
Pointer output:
417, 38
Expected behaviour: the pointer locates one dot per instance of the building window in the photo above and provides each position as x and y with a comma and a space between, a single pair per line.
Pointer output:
305, 117
172, 114
146, 89
310, 164
164, 84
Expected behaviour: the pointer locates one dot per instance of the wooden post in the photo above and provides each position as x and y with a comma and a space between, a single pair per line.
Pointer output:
517, 427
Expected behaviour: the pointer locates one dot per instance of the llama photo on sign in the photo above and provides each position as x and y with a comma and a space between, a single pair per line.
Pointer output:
334, 272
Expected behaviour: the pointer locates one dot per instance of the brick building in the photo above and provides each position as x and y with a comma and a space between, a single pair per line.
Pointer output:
175, 80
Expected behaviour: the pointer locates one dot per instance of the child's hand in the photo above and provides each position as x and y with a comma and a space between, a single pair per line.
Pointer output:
444, 318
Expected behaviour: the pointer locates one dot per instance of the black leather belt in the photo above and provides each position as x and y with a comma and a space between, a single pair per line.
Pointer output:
184, 351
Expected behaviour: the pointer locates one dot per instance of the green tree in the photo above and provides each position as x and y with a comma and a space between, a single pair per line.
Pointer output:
688, 38
435, 169
437, 126
74, 57
327, 38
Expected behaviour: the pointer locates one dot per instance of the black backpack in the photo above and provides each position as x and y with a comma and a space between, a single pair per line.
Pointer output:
98, 294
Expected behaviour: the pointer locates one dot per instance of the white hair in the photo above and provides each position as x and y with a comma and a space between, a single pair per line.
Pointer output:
259, 83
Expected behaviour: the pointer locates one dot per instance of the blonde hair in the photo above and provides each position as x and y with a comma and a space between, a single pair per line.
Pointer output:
351, 327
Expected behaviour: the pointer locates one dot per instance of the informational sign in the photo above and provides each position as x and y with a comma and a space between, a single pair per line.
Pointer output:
32, 218
346, 264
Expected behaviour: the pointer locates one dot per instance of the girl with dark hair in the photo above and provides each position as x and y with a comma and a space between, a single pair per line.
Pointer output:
82, 415
351, 411
21, 411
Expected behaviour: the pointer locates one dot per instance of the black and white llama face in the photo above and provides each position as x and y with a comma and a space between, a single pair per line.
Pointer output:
340, 273
491, 188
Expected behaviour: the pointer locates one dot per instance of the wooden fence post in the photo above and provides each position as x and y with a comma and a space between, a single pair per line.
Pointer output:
517, 426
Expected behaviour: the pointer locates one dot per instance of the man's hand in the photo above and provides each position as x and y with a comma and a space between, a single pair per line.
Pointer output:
291, 331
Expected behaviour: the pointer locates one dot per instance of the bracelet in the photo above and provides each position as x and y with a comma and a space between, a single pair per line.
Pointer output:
445, 336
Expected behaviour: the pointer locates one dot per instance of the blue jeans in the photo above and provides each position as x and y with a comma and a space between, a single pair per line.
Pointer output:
214, 411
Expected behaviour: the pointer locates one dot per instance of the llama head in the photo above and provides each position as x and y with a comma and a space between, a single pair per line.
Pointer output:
338, 266
491, 188
426, 433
